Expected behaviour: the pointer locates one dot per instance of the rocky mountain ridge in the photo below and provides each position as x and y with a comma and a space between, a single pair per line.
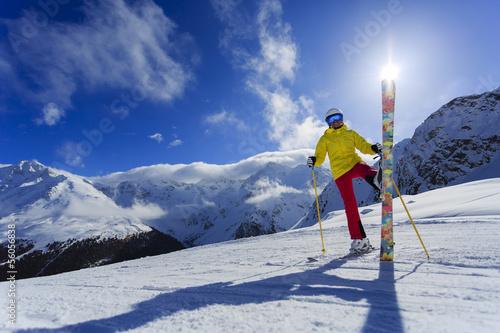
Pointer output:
460, 142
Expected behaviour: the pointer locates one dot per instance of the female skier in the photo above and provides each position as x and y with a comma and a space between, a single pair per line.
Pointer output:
340, 143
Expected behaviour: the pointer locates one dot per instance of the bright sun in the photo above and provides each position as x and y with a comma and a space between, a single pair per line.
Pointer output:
389, 72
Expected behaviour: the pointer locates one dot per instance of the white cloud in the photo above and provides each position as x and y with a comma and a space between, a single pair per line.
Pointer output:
120, 45
92, 208
239, 24
293, 124
278, 52
264, 190
157, 136
194, 172
225, 118
52, 114
73, 153
303, 135
175, 143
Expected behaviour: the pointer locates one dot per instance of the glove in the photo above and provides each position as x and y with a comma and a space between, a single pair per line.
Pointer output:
311, 161
377, 148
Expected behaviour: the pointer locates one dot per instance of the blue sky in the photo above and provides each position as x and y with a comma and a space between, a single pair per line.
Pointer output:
102, 86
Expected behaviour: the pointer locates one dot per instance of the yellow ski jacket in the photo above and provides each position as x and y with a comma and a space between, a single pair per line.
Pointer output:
341, 146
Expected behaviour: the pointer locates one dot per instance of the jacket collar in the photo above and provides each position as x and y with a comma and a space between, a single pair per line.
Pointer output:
338, 130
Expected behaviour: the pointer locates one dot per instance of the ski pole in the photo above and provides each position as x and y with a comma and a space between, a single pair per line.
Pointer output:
317, 206
400, 197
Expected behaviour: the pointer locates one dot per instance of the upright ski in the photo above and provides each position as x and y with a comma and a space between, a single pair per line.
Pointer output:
388, 98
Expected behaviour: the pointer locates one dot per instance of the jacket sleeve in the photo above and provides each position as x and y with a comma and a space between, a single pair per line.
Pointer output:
364, 146
320, 152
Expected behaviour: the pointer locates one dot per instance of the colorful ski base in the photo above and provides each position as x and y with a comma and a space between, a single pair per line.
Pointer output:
388, 98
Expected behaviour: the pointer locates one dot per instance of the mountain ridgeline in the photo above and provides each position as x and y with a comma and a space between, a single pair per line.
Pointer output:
458, 143
65, 222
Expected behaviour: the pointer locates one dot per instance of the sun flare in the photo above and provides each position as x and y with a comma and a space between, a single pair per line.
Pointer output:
389, 72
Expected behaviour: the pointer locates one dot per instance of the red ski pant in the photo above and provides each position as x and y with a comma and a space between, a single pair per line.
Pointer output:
344, 183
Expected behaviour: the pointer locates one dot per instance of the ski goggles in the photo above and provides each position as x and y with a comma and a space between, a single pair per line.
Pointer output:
334, 117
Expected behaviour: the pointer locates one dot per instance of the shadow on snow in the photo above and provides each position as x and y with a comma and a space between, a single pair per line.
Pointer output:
383, 316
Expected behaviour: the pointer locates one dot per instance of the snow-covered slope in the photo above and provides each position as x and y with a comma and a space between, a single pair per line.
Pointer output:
265, 284
458, 143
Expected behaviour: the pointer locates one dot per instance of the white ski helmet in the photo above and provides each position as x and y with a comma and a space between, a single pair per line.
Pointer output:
332, 112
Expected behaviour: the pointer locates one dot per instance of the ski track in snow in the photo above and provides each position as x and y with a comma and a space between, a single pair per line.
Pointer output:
266, 284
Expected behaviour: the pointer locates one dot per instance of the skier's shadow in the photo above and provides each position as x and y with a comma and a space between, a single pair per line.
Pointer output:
383, 316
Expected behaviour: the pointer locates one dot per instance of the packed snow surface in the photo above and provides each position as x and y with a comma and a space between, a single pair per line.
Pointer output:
265, 283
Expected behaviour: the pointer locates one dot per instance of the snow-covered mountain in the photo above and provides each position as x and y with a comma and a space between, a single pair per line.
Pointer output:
213, 203
149, 210
62, 222
458, 143
30, 191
